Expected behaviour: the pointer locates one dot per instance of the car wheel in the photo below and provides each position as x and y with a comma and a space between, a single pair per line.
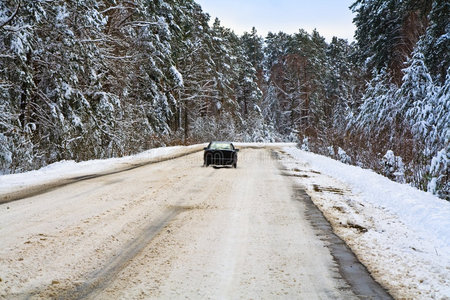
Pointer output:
235, 165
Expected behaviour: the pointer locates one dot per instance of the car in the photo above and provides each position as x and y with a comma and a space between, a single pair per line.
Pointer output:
220, 154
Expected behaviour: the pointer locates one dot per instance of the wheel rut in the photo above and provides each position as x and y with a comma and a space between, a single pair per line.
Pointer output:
99, 280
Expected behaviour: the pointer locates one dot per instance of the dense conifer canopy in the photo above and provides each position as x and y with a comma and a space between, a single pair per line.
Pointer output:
102, 78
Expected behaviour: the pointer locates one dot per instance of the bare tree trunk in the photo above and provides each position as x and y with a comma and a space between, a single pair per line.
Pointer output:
186, 124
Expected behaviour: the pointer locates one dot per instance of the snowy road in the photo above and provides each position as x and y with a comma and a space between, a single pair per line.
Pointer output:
174, 229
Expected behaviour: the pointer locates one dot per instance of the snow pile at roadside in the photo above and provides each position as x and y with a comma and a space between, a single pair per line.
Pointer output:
400, 233
422, 211
69, 169
264, 145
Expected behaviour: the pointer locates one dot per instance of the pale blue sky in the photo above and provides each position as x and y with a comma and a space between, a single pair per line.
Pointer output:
329, 17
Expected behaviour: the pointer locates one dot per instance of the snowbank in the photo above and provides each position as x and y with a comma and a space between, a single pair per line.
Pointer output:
421, 211
264, 145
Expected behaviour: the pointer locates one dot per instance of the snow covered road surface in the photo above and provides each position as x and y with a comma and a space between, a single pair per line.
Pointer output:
172, 230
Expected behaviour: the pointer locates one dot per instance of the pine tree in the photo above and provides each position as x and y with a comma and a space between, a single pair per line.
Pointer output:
253, 48
387, 32
436, 41
427, 111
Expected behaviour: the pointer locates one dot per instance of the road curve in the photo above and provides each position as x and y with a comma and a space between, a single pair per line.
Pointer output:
175, 229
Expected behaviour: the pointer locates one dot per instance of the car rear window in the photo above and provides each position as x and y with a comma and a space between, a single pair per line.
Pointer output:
221, 146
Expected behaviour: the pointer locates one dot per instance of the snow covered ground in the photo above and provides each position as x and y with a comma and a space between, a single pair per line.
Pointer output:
400, 233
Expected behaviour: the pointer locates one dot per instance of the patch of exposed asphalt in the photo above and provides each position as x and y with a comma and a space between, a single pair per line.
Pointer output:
288, 174
318, 188
50, 186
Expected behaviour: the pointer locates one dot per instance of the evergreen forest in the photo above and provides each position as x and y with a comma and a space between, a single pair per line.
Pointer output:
92, 79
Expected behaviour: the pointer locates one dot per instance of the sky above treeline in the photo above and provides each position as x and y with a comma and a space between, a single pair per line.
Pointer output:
329, 17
